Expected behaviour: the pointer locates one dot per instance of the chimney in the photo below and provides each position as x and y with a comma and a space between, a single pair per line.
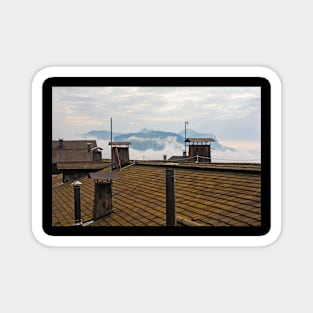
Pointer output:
88, 146
170, 198
102, 199
200, 149
164, 157
77, 214
61, 143
102, 204
119, 153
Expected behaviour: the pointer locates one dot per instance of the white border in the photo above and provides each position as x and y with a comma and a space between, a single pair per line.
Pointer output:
158, 241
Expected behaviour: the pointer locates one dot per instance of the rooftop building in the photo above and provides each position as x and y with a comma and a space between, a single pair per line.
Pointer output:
76, 158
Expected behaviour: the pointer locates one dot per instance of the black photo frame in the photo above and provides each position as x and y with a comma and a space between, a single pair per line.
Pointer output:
47, 104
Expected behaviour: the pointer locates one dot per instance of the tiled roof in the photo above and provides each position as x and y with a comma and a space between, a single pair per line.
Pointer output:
203, 196
74, 144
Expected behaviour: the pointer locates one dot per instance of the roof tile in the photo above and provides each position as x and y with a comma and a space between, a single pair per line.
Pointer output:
211, 198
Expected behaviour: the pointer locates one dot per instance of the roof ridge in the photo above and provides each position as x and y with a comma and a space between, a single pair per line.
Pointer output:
202, 168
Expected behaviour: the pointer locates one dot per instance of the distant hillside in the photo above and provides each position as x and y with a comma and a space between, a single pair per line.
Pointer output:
194, 134
100, 134
149, 139
154, 139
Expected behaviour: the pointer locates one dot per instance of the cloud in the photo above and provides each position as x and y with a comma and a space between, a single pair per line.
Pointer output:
237, 155
231, 112
172, 147
243, 151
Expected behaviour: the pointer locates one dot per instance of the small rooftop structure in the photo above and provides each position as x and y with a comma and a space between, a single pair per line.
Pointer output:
76, 158
75, 151
120, 153
200, 149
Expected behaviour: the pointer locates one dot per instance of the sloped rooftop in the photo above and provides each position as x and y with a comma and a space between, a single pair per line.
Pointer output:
83, 165
229, 196
72, 151
73, 144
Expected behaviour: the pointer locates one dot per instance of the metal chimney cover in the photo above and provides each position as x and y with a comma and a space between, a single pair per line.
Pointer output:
103, 176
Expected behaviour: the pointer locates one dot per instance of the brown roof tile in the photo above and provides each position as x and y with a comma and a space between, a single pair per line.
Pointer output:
206, 197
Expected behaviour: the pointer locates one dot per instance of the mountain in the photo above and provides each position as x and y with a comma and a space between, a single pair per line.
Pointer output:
100, 134
150, 139
194, 134
156, 140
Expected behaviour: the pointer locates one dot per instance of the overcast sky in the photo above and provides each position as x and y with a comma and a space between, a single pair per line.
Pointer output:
230, 113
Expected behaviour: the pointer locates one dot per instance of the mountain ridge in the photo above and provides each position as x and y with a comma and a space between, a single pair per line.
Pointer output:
155, 139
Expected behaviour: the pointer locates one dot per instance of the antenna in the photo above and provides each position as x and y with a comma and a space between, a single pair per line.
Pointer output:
111, 149
186, 122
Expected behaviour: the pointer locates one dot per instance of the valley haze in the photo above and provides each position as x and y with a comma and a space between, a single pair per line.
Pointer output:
149, 144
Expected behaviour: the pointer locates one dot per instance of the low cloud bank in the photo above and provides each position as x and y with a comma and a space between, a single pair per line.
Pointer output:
240, 152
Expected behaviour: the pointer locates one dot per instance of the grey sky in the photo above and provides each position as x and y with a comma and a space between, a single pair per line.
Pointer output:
231, 113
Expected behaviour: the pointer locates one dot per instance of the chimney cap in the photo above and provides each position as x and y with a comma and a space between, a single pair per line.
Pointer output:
76, 183
98, 175
200, 140
120, 143
96, 148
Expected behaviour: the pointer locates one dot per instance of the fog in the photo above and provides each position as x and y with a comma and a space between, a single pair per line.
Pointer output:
243, 151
